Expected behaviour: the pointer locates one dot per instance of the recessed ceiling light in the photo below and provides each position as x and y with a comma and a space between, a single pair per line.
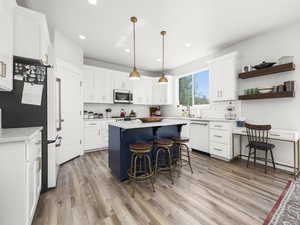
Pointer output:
93, 2
158, 60
127, 50
188, 44
82, 37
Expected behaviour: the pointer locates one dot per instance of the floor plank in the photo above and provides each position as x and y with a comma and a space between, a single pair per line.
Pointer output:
217, 193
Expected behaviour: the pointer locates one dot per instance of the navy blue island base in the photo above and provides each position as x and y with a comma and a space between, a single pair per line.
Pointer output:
120, 139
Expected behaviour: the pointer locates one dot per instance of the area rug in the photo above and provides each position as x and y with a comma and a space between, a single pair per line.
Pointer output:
286, 210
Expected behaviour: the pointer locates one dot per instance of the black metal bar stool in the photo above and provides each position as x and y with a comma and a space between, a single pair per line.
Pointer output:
258, 137
184, 152
141, 164
163, 159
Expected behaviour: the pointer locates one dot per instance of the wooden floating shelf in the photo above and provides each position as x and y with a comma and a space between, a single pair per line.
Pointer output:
268, 95
268, 71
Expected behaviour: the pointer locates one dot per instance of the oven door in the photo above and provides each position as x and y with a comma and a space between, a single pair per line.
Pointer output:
122, 96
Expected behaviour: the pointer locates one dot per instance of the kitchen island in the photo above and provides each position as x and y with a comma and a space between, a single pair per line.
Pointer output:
123, 133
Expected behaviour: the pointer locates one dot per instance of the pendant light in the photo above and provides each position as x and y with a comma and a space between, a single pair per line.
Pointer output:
134, 75
163, 79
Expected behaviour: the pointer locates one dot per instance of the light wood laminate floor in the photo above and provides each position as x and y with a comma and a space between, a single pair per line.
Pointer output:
217, 193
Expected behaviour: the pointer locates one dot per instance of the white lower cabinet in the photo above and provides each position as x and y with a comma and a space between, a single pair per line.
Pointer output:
20, 171
95, 135
220, 140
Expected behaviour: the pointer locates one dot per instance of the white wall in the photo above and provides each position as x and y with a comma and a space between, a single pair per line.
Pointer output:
67, 50
102, 64
281, 113
141, 110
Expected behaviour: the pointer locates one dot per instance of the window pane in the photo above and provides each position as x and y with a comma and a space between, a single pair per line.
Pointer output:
186, 90
201, 87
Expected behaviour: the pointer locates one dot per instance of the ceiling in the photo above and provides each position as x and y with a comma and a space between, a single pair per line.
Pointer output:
207, 25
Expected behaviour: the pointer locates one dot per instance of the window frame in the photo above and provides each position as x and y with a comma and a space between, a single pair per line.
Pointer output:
193, 87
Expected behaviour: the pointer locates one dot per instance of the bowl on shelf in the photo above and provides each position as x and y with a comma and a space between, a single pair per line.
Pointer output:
151, 119
264, 65
265, 90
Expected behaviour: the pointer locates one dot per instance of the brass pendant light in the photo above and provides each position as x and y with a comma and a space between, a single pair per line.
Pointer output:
134, 75
163, 79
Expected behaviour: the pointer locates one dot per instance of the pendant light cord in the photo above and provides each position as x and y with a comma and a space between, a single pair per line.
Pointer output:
134, 44
163, 56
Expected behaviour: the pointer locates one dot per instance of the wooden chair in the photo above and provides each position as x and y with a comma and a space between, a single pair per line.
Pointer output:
258, 137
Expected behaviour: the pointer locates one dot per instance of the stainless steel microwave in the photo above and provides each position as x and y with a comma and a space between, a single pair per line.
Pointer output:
123, 96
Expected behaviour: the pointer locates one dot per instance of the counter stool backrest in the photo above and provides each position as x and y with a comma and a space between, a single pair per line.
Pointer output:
257, 133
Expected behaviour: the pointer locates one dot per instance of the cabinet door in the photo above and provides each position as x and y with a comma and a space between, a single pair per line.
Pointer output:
120, 80
27, 25
6, 44
88, 85
223, 78
31, 195
92, 138
103, 85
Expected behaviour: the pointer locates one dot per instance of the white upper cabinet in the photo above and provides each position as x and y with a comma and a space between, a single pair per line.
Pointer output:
6, 44
223, 78
97, 84
88, 85
103, 85
31, 35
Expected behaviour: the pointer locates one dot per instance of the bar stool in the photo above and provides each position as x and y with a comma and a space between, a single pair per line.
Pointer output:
164, 162
141, 164
181, 142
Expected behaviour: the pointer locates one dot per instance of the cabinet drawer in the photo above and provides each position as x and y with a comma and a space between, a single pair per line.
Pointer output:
220, 125
219, 136
221, 150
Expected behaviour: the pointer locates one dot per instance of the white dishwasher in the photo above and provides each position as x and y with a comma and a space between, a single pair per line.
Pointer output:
199, 136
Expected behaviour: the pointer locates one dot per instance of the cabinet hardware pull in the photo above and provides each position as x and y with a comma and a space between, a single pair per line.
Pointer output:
218, 136
92, 124
217, 149
39, 159
3, 69
38, 142
276, 135
219, 126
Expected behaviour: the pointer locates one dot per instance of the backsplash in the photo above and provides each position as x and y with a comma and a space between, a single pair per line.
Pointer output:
214, 110
141, 110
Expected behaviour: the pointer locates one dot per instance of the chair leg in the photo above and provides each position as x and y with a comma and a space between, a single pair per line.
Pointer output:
156, 162
249, 156
255, 157
134, 176
151, 172
170, 165
189, 157
273, 159
266, 161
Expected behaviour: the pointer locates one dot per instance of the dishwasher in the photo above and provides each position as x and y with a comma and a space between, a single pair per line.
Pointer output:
199, 136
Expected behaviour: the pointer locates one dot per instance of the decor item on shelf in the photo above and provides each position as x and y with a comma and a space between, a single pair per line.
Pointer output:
163, 79
108, 112
289, 86
247, 68
264, 65
150, 119
285, 60
85, 114
91, 115
265, 90
134, 75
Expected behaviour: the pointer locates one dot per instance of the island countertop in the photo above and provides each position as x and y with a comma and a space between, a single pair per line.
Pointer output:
139, 124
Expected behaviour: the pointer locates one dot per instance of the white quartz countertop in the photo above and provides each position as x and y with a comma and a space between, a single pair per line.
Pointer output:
139, 124
200, 119
18, 134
